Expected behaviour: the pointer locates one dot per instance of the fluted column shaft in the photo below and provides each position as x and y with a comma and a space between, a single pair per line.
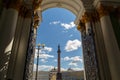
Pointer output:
110, 43
7, 29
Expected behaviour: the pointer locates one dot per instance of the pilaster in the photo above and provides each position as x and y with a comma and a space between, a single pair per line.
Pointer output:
31, 48
89, 51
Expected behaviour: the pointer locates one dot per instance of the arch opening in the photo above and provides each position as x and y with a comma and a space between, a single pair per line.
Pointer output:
70, 43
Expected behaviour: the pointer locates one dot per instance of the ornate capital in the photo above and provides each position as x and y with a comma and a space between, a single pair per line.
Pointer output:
81, 26
104, 10
87, 17
36, 20
36, 4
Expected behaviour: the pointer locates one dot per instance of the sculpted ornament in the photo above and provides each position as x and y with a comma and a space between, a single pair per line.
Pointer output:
36, 4
81, 26
87, 17
104, 10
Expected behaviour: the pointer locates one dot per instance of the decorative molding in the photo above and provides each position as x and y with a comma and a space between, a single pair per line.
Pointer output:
73, 5
87, 17
81, 26
36, 4
104, 10
36, 20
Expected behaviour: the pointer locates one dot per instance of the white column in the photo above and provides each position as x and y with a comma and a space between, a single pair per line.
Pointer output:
15, 47
111, 45
7, 30
22, 49
101, 52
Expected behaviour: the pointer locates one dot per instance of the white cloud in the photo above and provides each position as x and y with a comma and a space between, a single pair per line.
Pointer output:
55, 60
49, 49
55, 22
66, 58
72, 45
46, 49
43, 67
72, 64
74, 59
65, 25
43, 60
42, 53
68, 26
77, 59
44, 56
46, 68
78, 69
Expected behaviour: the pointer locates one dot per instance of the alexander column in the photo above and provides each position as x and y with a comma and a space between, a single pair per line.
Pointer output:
59, 75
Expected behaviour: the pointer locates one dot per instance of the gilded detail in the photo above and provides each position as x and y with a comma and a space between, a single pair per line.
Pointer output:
104, 10
87, 17
36, 4
81, 26
36, 20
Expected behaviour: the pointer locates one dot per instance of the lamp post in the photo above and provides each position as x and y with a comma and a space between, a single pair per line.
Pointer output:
40, 46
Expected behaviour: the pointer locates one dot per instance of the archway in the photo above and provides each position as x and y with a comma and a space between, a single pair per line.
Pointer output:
57, 27
95, 21
91, 68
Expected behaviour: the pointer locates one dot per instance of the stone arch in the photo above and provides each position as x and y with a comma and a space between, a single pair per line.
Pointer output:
75, 6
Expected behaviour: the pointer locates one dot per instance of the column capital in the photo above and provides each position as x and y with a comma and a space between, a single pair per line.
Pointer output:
15, 4
104, 10
36, 4
36, 20
87, 17
81, 26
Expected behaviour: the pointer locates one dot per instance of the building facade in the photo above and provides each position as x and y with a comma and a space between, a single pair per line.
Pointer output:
67, 75
73, 75
98, 22
42, 75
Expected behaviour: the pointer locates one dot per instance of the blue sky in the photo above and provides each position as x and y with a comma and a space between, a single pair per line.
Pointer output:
57, 27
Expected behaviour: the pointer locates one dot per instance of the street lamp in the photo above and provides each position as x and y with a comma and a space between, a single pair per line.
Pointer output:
40, 46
